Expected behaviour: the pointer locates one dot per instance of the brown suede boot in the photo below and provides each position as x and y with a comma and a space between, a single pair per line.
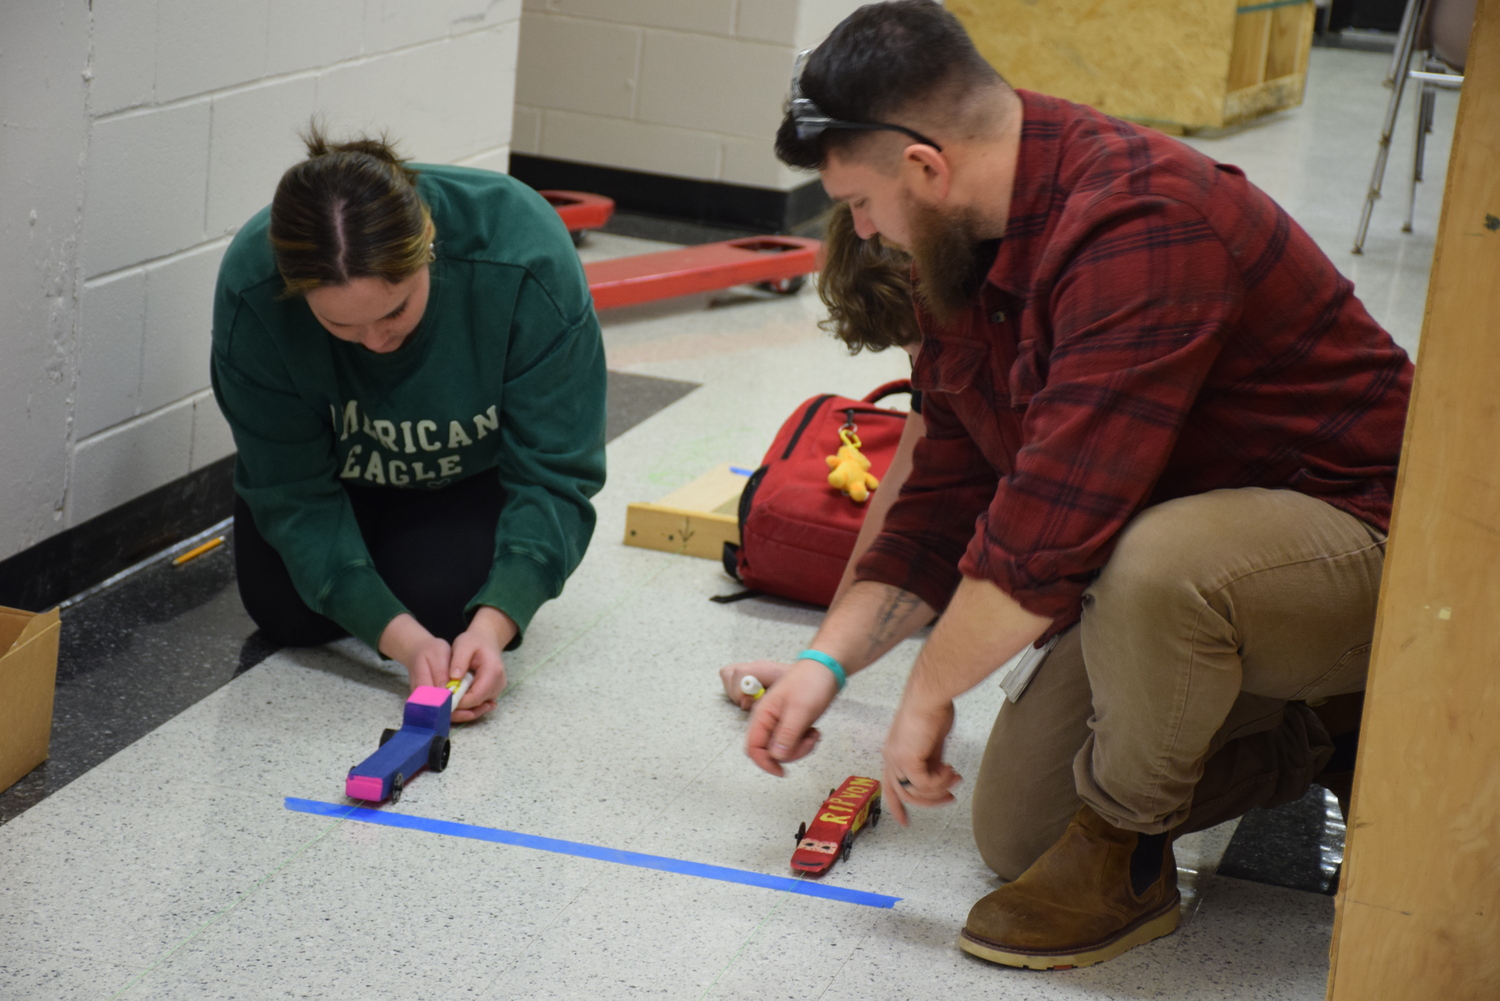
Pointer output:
1340, 716
1094, 894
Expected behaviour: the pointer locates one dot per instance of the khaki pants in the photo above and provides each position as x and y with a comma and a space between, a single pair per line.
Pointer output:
1178, 701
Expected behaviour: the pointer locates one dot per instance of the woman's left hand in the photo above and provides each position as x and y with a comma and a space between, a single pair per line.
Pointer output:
478, 649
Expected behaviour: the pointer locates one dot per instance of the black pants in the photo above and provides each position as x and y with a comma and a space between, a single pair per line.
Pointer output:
433, 549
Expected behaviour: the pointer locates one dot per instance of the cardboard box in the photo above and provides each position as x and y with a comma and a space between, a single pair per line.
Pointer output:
695, 520
28, 675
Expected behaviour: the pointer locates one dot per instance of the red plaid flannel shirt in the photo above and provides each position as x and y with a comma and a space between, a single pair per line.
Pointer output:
1153, 326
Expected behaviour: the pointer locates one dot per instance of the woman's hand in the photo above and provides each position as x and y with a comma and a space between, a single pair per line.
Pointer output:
425, 657
479, 649
767, 672
781, 724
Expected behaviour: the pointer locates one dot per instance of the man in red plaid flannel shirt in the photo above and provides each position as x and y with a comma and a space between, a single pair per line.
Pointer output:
1162, 437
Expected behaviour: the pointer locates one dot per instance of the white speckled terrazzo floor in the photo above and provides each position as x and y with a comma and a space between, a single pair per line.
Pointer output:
174, 871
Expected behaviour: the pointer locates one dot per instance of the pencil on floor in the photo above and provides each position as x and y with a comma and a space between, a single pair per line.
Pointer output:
197, 551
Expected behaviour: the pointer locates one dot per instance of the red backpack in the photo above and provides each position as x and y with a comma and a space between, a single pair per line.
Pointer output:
796, 531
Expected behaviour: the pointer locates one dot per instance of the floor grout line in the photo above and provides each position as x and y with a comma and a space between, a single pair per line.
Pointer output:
608, 610
680, 793
215, 919
74, 957
745, 945
537, 935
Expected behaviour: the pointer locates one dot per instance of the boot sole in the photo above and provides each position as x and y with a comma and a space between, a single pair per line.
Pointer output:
1146, 928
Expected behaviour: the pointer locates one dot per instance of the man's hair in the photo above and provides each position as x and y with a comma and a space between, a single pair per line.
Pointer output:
883, 59
866, 287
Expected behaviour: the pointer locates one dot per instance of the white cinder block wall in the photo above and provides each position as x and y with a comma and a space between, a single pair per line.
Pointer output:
687, 88
136, 136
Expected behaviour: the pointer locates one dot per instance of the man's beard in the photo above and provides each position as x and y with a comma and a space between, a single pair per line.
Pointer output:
950, 258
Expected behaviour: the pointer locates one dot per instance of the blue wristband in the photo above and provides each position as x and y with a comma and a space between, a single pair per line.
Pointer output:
828, 662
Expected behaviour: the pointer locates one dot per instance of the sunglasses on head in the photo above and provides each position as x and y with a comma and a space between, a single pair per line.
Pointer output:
811, 121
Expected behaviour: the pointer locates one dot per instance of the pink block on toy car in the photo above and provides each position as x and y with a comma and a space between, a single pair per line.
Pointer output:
428, 695
365, 787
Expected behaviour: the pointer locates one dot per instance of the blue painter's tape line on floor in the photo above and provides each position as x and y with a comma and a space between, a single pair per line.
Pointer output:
455, 830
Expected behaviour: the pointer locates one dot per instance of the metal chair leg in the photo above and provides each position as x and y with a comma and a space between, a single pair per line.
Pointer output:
1402, 60
1426, 99
1404, 35
1377, 176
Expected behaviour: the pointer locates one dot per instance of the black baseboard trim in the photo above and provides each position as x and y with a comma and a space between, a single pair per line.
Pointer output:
75, 560
709, 202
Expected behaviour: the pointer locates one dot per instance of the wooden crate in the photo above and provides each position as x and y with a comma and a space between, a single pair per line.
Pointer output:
1177, 66
695, 520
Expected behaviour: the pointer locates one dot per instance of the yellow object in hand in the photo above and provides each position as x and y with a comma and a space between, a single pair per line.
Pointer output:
752, 687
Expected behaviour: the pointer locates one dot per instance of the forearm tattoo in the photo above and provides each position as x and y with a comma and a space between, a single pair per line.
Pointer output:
892, 622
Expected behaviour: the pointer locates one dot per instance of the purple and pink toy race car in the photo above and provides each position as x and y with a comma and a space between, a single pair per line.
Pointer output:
421, 742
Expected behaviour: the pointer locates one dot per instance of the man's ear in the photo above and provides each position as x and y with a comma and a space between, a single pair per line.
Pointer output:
927, 173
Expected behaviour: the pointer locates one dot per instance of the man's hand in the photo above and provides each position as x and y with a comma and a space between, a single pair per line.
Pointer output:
781, 723
982, 628
425, 657
868, 620
914, 753
479, 649
767, 672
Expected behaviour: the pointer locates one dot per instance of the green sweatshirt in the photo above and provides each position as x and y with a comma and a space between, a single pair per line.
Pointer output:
504, 376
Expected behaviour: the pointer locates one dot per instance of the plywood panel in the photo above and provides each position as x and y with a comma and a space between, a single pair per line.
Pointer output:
1155, 61
1419, 902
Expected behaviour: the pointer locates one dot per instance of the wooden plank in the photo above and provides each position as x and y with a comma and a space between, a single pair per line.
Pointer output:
675, 530
1290, 40
694, 520
1247, 57
1418, 913
717, 490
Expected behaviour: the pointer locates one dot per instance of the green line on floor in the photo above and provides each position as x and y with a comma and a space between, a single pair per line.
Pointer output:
243, 897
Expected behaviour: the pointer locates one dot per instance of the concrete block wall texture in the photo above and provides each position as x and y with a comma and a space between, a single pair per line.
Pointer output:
136, 137
686, 88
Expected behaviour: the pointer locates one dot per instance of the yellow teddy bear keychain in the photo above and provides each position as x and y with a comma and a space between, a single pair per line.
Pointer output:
850, 469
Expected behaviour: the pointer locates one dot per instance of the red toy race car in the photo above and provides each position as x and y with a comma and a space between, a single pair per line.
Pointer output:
842, 816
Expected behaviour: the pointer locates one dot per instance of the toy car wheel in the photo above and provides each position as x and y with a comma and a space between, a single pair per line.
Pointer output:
801, 832
437, 753
386, 735
578, 236
875, 812
397, 784
848, 847
784, 286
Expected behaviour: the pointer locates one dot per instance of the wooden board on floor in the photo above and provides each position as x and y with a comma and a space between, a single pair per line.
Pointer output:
1419, 901
695, 520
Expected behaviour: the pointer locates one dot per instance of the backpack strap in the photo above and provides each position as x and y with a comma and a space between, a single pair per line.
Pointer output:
889, 389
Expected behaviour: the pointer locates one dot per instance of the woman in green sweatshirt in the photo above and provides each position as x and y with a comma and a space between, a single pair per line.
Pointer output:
411, 365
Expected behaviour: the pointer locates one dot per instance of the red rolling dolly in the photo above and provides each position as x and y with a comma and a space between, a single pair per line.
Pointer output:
580, 211
776, 263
